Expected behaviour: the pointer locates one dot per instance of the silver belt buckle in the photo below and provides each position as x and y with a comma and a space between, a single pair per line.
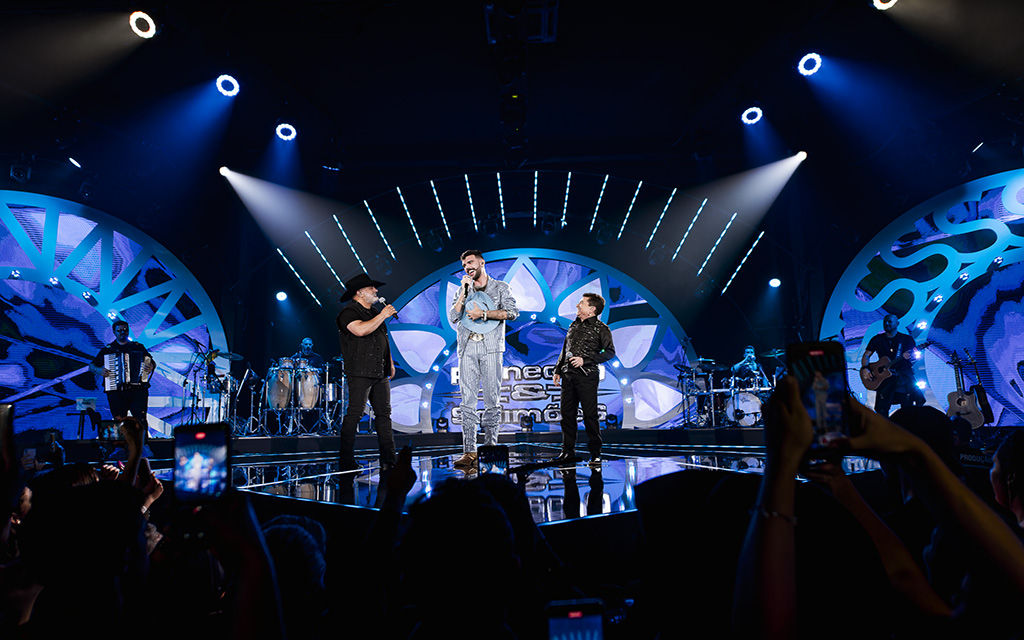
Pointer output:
476, 337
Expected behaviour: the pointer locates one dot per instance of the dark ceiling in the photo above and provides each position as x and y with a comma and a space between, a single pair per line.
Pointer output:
388, 94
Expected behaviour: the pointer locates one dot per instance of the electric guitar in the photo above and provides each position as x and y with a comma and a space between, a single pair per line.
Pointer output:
961, 403
878, 371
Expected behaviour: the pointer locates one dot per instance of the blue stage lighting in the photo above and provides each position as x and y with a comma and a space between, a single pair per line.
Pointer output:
440, 210
565, 206
775, 283
629, 210
148, 27
809, 64
922, 325
227, 85
743, 261
692, 222
281, 296
469, 194
599, 196
409, 216
501, 201
535, 179
751, 115
74, 162
717, 242
660, 218
286, 131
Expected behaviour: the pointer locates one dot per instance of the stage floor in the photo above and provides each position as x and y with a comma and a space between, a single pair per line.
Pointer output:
556, 492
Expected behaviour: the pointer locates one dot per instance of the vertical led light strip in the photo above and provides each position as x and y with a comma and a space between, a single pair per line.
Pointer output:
501, 201
374, 218
535, 174
740, 265
472, 211
409, 216
692, 222
565, 205
630, 210
440, 210
715, 246
322, 256
599, 196
298, 276
662, 216
345, 235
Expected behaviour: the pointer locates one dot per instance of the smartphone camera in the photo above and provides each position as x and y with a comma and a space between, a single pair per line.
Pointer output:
493, 459
575, 619
202, 462
820, 370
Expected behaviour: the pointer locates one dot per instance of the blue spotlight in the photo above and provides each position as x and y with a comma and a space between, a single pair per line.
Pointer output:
74, 162
286, 131
751, 115
599, 196
775, 283
809, 64
147, 28
227, 85
282, 296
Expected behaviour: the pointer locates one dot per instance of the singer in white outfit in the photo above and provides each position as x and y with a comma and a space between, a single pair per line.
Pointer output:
480, 354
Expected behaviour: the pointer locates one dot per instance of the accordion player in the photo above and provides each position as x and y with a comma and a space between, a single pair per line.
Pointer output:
125, 368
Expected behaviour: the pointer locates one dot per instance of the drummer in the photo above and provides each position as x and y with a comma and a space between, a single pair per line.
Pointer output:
313, 360
747, 373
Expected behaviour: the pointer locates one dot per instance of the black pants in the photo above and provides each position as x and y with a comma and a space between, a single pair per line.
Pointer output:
901, 387
378, 392
580, 391
134, 400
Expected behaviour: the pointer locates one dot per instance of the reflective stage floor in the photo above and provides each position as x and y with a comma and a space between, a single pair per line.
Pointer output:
556, 492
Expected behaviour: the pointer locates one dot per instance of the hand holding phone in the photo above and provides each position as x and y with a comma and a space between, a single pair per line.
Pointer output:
202, 462
820, 372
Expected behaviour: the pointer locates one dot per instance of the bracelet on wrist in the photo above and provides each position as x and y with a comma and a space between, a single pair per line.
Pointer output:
767, 514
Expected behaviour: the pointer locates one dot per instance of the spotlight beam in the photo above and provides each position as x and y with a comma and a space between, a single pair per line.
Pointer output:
379, 230
409, 216
660, 218
565, 205
630, 210
472, 211
310, 291
717, 242
599, 196
322, 256
345, 235
501, 200
688, 229
740, 265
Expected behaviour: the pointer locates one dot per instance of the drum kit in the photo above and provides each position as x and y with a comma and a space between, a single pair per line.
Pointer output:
303, 398
737, 402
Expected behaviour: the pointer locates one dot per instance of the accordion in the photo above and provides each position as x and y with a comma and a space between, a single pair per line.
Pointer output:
126, 371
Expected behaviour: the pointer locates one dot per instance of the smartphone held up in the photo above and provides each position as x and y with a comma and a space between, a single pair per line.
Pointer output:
202, 462
820, 371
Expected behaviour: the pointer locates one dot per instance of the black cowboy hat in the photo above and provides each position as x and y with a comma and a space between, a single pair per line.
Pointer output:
356, 283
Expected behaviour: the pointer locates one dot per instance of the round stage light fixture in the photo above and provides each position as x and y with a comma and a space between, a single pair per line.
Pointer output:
801, 156
224, 171
921, 384
751, 115
147, 28
282, 296
882, 5
809, 64
286, 131
228, 85
774, 283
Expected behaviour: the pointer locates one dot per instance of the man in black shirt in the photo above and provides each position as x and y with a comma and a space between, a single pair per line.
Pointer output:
899, 348
313, 359
134, 395
368, 368
587, 344
748, 373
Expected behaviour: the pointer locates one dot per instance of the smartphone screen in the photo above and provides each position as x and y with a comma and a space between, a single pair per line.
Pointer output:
820, 370
493, 459
202, 462
569, 619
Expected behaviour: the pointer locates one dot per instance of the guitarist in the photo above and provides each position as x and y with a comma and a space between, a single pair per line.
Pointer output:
898, 348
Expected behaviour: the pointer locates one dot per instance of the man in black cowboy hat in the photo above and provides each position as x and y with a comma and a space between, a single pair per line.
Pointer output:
368, 368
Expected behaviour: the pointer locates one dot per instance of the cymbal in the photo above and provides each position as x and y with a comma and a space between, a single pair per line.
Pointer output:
774, 353
227, 355
705, 361
338, 359
683, 368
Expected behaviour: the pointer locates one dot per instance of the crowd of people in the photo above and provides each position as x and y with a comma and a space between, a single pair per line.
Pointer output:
90, 550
